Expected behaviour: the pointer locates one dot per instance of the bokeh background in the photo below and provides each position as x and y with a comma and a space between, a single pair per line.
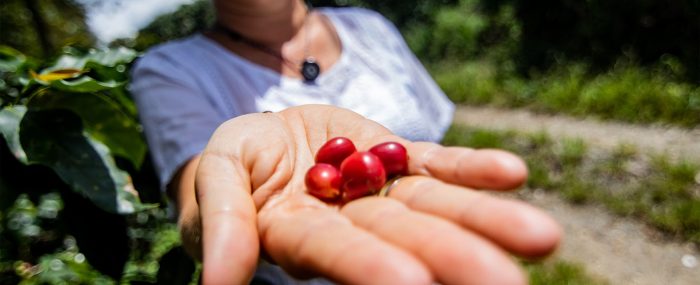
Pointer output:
602, 98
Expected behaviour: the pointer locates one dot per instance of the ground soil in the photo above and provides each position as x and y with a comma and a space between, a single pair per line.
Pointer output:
673, 141
619, 250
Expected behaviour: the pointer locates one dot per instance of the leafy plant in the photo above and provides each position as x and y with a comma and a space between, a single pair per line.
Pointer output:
73, 117
73, 157
627, 92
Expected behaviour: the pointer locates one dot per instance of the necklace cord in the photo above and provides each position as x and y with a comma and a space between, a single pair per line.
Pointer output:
237, 37
309, 69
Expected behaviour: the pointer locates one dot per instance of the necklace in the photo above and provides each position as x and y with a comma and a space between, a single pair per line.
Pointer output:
309, 69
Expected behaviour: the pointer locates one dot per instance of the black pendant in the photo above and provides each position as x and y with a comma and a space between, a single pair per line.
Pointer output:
310, 69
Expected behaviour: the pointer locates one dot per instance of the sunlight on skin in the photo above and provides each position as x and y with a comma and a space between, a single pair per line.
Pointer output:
250, 193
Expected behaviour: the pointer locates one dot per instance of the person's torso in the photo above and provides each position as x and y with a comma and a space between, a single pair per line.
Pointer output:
369, 78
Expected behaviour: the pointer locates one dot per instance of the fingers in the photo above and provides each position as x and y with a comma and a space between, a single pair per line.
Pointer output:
230, 240
481, 169
454, 255
515, 226
319, 240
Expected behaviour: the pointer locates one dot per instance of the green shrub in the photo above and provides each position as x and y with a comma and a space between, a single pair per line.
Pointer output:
74, 175
627, 92
473, 82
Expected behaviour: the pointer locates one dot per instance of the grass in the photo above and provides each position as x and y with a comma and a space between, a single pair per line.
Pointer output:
626, 92
650, 188
559, 273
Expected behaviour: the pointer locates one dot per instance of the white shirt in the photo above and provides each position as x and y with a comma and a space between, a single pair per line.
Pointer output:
186, 88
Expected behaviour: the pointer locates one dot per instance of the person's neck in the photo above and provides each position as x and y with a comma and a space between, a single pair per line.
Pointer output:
259, 23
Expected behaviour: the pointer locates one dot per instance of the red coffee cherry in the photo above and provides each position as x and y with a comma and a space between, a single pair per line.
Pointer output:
335, 151
354, 190
324, 182
393, 156
363, 174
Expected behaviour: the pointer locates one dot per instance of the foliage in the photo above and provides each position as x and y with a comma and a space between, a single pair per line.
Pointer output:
627, 92
42, 27
402, 12
187, 20
601, 31
71, 117
72, 156
32, 227
454, 33
534, 37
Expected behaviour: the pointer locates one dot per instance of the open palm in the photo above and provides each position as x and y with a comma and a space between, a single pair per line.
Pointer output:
250, 197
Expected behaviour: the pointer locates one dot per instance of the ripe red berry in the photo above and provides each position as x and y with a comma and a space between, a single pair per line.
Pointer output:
363, 174
393, 156
323, 181
335, 151
354, 190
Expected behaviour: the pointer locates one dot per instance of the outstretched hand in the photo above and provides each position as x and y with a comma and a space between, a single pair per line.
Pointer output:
250, 198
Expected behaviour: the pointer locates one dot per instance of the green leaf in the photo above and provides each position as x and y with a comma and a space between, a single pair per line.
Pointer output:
122, 97
55, 138
10, 59
110, 57
84, 84
94, 72
104, 120
103, 72
10, 117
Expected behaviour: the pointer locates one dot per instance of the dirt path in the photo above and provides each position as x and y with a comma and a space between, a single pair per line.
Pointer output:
620, 250
675, 142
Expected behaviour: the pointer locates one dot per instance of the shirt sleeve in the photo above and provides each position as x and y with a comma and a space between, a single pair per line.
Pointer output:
177, 118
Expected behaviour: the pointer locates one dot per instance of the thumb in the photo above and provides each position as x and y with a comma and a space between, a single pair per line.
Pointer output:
229, 232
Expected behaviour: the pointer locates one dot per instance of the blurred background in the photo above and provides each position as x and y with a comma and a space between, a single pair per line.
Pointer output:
602, 98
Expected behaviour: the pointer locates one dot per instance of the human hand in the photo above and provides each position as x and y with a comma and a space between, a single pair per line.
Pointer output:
250, 193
